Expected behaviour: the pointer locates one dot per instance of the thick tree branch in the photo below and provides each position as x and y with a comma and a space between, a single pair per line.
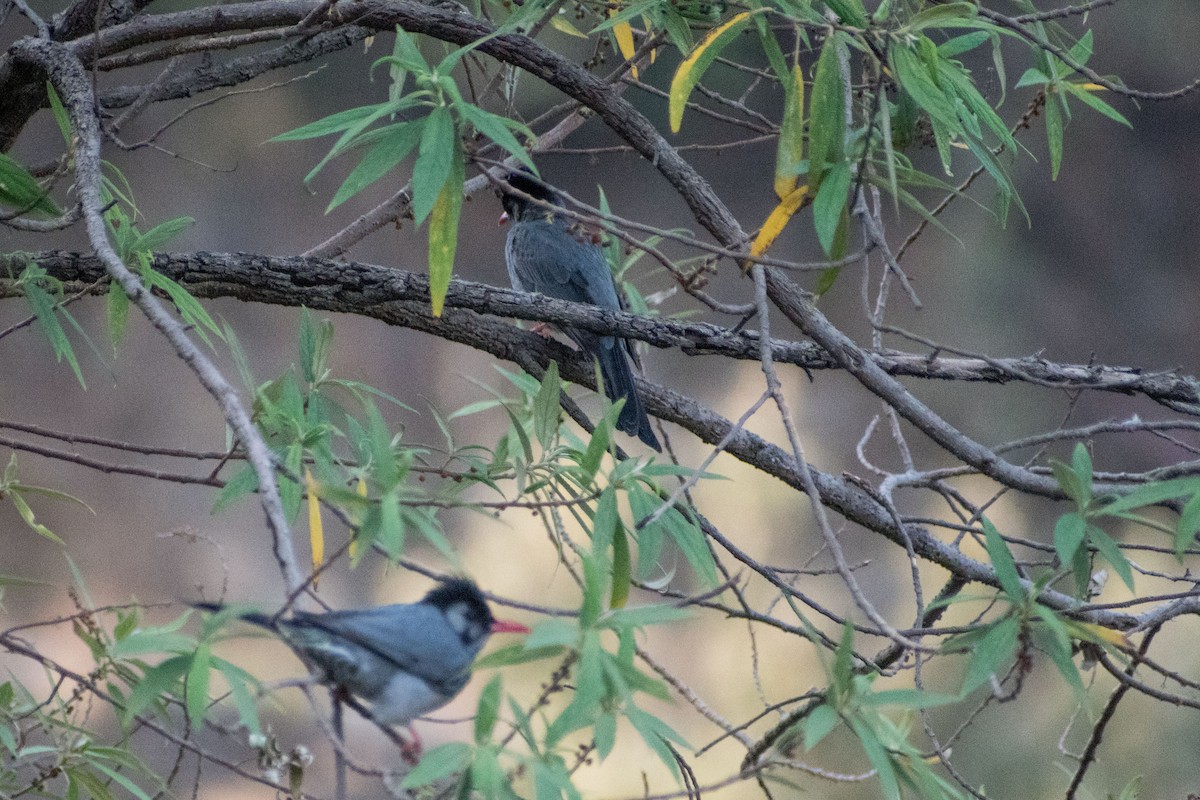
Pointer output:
402, 298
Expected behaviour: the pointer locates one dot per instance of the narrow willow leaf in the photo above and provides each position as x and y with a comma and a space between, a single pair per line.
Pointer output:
440, 762
316, 531
434, 161
546, 408
395, 143
789, 152
1112, 553
623, 34
692, 68
827, 118
20, 191
1054, 135
939, 15
850, 12
488, 711
443, 232
777, 220
1069, 533
1003, 562
563, 25
1083, 92
830, 202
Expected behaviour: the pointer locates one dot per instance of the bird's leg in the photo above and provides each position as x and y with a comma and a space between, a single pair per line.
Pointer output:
410, 750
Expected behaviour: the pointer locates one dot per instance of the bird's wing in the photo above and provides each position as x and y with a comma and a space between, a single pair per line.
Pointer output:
546, 256
415, 638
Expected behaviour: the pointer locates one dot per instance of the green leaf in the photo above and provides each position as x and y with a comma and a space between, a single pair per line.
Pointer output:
819, 723
830, 202
643, 615
396, 142
197, 686
1081, 462
1002, 561
156, 681
1081, 51
622, 568
486, 775
243, 483
443, 232
1054, 135
117, 307
27, 515
1055, 640
939, 15
438, 763
827, 117
1151, 494
656, 734
435, 161
129, 786
553, 633
325, 126
21, 192
914, 76
497, 128
1189, 524
61, 117
879, 757
1112, 553
516, 654
488, 711
1069, 533
546, 409
850, 12
961, 44
44, 308
605, 519
909, 698
162, 233
1095, 103
789, 151
315, 342
692, 542
244, 688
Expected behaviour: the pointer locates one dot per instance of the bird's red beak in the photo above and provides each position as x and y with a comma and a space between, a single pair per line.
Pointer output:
501, 626
504, 218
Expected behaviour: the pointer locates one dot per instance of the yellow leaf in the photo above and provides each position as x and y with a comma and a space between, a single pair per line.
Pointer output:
692, 68
623, 33
316, 531
1092, 87
790, 150
653, 50
563, 25
777, 220
1098, 633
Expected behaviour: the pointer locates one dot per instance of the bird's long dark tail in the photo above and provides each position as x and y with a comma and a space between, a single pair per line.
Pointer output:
618, 383
247, 615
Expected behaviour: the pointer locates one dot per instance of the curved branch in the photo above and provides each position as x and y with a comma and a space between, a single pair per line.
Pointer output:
67, 75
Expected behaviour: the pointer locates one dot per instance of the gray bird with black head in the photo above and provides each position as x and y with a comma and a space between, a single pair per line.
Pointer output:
405, 659
551, 254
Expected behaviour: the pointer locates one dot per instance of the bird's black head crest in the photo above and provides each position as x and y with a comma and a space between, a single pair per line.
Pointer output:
459, 590
524, 181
